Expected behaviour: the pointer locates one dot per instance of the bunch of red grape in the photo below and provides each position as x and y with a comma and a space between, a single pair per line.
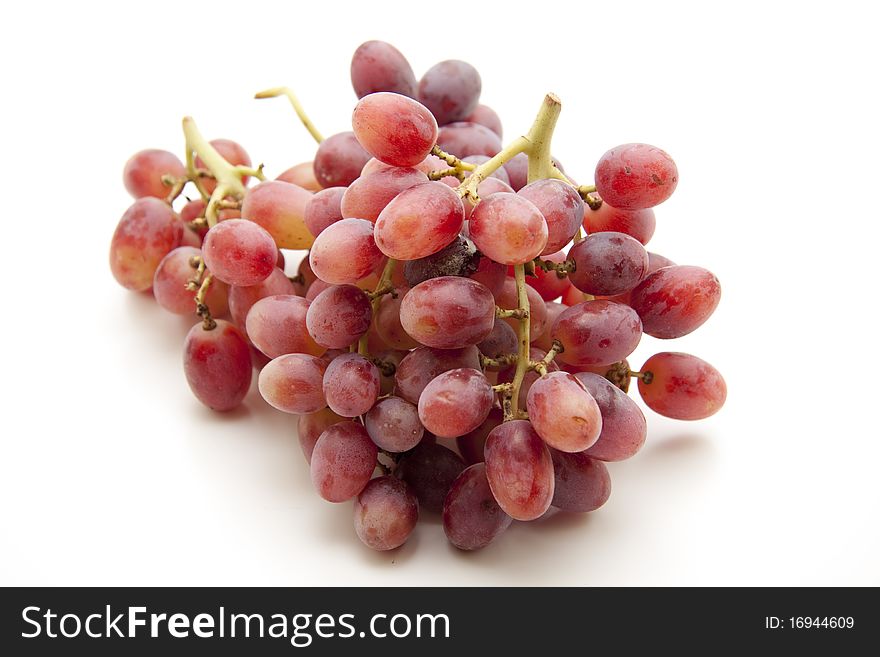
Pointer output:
453, 288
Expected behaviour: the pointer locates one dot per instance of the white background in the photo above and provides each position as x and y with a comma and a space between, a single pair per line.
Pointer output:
113, 474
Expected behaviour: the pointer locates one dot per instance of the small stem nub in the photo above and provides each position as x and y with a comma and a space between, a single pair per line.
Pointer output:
562, 269
646, 377
200, 283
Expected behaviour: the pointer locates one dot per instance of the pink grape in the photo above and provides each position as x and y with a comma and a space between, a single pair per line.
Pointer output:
239, 252
508, 300
607, 264
169, 285
430, 469
485, 115
419, 221
547, 283
517, 169
506, 375
146, 233
367, 196
394, 425
682, 386
230, 151
277, 326
491, 274
379, 66
562, 208
675, 301
343, 461
545, 340
563, 413
395, 129
345, 252
508, 229
143, 173
472, 445
464, 139
448, 312
500, 341
635, 176
422, 365
303, 175
241, 299
310, 426
387, 324
623, 424
293, 383
351, 385
472, 518
597, 333
520, 470
339, 160
639, 224
217, 364
582, 483
338, 316
316, 288
451, 90
385, 513
456, 402
280, 208
324, 208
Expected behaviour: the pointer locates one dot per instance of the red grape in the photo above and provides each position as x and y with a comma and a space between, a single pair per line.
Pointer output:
422, 365
303, 175
239, 252
508, 300
448, 312
323, 209
682, 386
293, 383
339, 160
310, 426
345, 252
351, 385
508, 228
545, 340
379, 66
280, 208
485, 115
367, 196
419, 221
394, 425
343, 461
143, 173
639, 224
146, 233
623, 424
430, 470
456, 402
597, 332
169, 285
277, 326
563, 413
491, 274
472, 445
242, 298
635, 176
562, 208
582, 483
471, 517
608, 264
217, 364
395, 129
463, 139
388, 325
519, 469
385, 513
451, 90
338, 316
517, 169
676, 300
501, 340
547, 283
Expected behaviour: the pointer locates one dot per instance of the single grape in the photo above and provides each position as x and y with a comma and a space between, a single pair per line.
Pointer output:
395, 129
419, 221
491, 274
484, 190
639, 224
485, 115
385, 513
367, 196
394, 425
345, 252
563, 413
280, 208
310, 426
582, 483
623, 424
323, 209
448, 312
338, 316
277, 326
508, 300
501, 340
230, 151
142, 175
472, 445
388, 325
422, 365
597, 332
241, 299
545, 340
379, 66
519, 469
146, 233
506, 375
351, 385
676, 300
293, 383
239, 252
451, 90
430, 470
459, 258
607, 264
169, 285
508, 229
682, 386
217, 364
471, 517
635, 176
339, 160
456, 402
343, 461
547, 283
517, 169
562, 208
464, 139
303, 175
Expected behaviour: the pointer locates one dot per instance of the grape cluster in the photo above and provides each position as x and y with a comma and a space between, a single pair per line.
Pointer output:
456, 338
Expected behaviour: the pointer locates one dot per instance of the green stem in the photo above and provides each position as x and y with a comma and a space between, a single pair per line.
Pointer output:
522, 362
297, 107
